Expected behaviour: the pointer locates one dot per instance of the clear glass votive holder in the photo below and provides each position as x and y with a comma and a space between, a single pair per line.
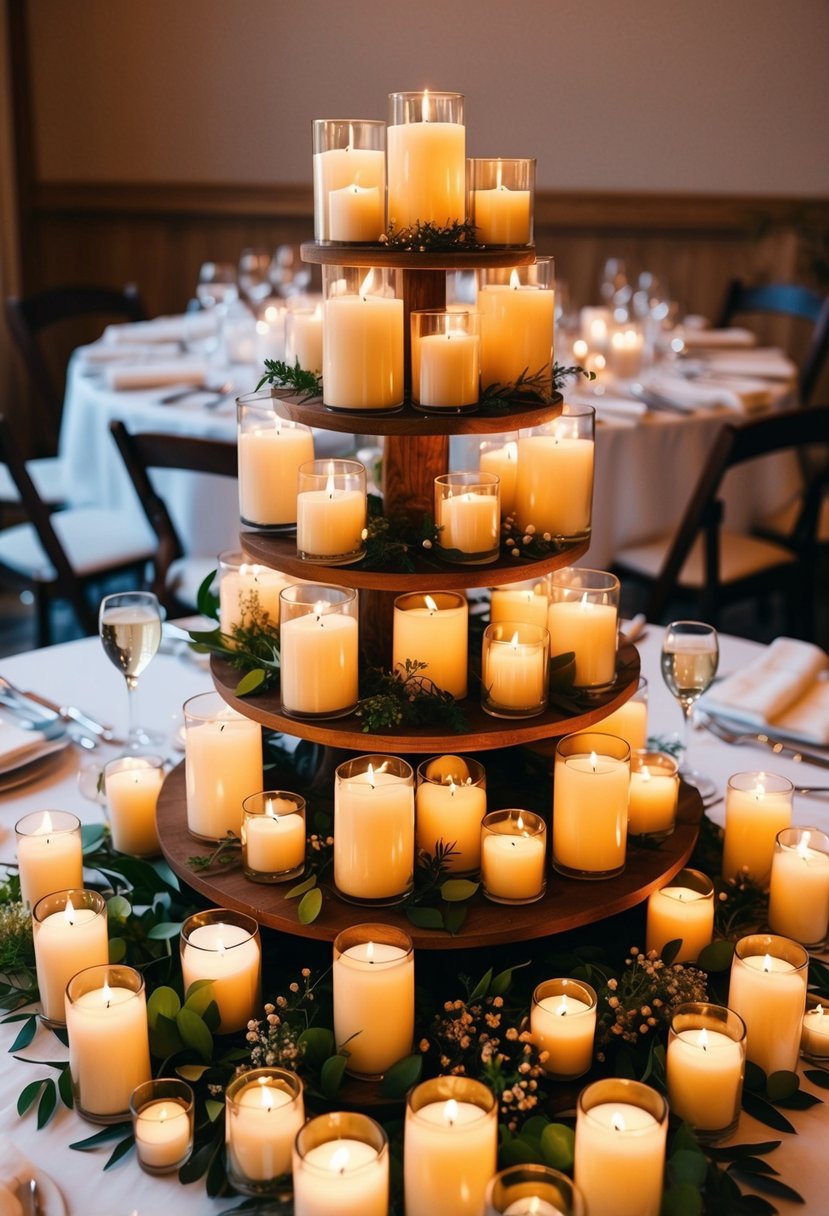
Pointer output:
362, 339
629, 721
271, 451
341, 1164
331, 512
349, 179
814, 1041
248, 590
132, 785
554, 486
595, 324
446, 361
468, 514
264, 1111
799, 888
617, 1122
374, 832
681, 910
501, 199
162, 1113
70, 933
517, 307
526, 601
432, 627
373, 979
768, 990
269, 339
584, 618
450, 804
449, 1145
426, 159
590, 805
303, 337
625, 350
500, 455
515, 661
223, 946
705, 1068
532, 1190
223, 764
757, 807
563, 1024
513, 853
273, 836
49, 854
654, 795
318, 651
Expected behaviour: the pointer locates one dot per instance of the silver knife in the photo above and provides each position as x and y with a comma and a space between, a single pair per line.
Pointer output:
70, 713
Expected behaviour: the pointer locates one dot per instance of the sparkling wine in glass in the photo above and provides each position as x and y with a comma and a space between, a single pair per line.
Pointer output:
129, 623
690, 655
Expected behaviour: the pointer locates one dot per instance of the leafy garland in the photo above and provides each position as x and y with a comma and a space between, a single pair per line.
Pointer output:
429, 237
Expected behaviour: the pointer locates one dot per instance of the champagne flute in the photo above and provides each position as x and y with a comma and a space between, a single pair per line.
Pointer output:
129, 623
690, 655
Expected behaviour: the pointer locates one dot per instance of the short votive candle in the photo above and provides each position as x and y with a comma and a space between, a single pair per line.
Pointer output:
814, 1041
49, 856
526, 601
222, 946
590, 805
374, 995
449, 1147
273, 836
271, 451
563, 1026
331, 511
757, 807
162, 1113
654, 795
554, 483
630, 721
264, 1110
446, 361
70, 933
132, 785
374, 813
501, 193
513, 852
341, 1164
248, 590
625, 348
303, 338
432, 627
705, 1067
583, 618
532, 1190
681, 910
621, 1131
349, 179
450, 804
319, 650
799, 888
468, 516
768, 991
515, 661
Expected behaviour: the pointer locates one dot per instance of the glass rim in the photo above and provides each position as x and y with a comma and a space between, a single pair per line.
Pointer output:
375, 931
471, 763
538, 635
716, 1013
86, 895
773, 783
534, 824
776, 946
219, 702
298, 803
214, 916
283, 1079
360, 1127
125, 971
344, 596
406, 772
645, 1097
582, 985
459, 1088
798, 830
143, 1095
20, 830
687, 877
468, 477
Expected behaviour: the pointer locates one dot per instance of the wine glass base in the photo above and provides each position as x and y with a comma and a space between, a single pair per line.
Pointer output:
705, 786
143, 740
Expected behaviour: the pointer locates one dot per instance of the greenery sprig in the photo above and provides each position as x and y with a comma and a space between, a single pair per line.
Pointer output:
431, 238
406, 697
303, 384
252, 644
392, 542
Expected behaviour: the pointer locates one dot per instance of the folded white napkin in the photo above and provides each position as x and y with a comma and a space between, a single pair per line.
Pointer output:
785, 690
181, 328
16, 743
730, 339
119, 352
155, 375
699, 394
766, 362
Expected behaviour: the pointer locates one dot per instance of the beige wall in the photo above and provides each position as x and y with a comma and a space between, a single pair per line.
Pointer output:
698, 96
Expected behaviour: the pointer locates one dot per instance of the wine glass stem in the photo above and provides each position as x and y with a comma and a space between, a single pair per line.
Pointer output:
134, 734
687, 711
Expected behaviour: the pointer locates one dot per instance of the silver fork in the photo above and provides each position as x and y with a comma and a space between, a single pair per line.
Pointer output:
758, 739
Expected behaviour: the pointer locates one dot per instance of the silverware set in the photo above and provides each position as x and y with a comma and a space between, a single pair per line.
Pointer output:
743, 738
35, 712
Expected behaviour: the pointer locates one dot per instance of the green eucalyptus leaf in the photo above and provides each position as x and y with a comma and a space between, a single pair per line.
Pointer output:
817, 1076
192, 1072
687, 1166
455, 890
400, 1078
781, 1085
670, 950
755, 1078
121, 1149
771, 1186
199, 997
425, 918
117, 950
716, 956
331, 1074
92, 835
685, 1141
454, 917
118, 908
518, 1152
310, 907
558, 1146
25, 1034
764, 1112
165, 1039
206, 602
317, 1042
250, 682
194, 1033
29, 1095
213, 1109
302, 887
164, 931
67, 1096
47, 1104
102, 1137
535, 1126
163, 1002
733, 1152
481, 988
683, 1199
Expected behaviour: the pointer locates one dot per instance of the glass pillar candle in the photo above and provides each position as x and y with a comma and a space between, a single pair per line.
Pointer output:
222, 946
273, 836
594, 325
303, 339
621, 1130
532, 1190
799, 888
681, 910
48, 854
526, 602
517, 307
590, 805
162, 1123
629, 721
223, 764
374, 830
109, 1049
271, 451
500, 456
625, 348
768, 991
554, 484
318, 651
247, 589
341, 1164
584, 618
433, 628
468, 514
513, 853
757, 807
362, 339
349, 179
449, 1147
501, 192
450, 804
426, 152
264, 1110
131, 787
515, 664
446, 361
269, 340
374, 994
563, 1027
331, 512
814, 1040
705, 1066
70, 934
654, 794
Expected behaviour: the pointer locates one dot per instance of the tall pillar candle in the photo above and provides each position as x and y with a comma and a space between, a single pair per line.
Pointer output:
374, 994
132, 785
49, 856
621, 1131
270, 453
517, 308
374, 829
349, 155
799, 888
757, 807
223, 764
768, 991
590, 805
501, 457
526, 602
450, 804
264, 1110
303, 339
449, 1147
362, 340
341, 1164
563, 1027
222, 946
554, 483
433, 628
682, 910
583, 618
318, 659
629, 721
70, 933
426, 144
705, 1066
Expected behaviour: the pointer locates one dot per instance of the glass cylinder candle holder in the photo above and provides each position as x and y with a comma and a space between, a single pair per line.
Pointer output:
584, 618
554, 485
331, 512
621, 1130
70, 933
162, 1113
515, 664
682, 910
705, 1067
768, 991
222, 946
449, 1146
109, 1049
526, 602
590, 805
248, 590
446, 366
303, 337
49, 856
517, 307
269, 339
374, 993
629, 721
433, 628
362, 339
223, 764
468, 514
450, 804
341, 1164
271, 451
654, 795
426, 153
374, 830
532, 1190
264, 1110
273, 836
594, 325
501, 197
513, 852
318, 651
799, 888
757, 807
349, 179
500, 456
814, 1040
132, 785
625, 348
563, 1025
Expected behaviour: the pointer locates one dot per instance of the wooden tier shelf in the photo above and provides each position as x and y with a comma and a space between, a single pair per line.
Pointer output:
332, 253
411, 423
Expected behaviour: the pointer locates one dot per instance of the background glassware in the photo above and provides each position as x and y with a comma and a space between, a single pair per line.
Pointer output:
253, 276
289, 275
216, 284
129, 623
690, 656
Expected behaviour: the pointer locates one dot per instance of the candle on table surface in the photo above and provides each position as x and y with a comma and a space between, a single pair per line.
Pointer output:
590, 805
705, 1078
595, 328
433, 629
341, 1164
373, 979
516, 330
362, 349
331, 511
223, 764
339, 168
624, 357
132, 785
70, 934
245, 588
563, 1024
526, 602
450, 1144
374, 829
227, 954
48, 854
513, 848
264, 1111
629, 721
620, 1149
654, 793
450, 804
814, 1041
273, 835
768, 991
269, 341
554, 485
590, 630
270, 454
109, 1053
318, 663
426, 159
799, 888
757, 807
681, 911
503, 461
163, 1128
514, 668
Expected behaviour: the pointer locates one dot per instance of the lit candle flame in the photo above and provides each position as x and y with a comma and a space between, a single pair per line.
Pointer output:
759, 790
519, 823
562, 1009
316, 315
266, 1094
270, 813
767, 963
594, 761
350, 143
366, 285
106, 994
340, 1160
584, 603
162, 1114
702, 1041
514, 281
803, 846
617, 1121
430, 603
370, 777
425, 112
45, 828
819, 1010
450, 1113
69, 912
645, 773
514, 640
511, 452
370, 952
498, 185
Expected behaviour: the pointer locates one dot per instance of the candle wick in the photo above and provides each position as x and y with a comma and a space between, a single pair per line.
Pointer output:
221, 728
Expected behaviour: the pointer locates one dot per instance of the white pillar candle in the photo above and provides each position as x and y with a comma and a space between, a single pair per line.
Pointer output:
589, 630
433, 629
753, 817
519, 602
223, 764
554, 485
162, 1134
248, 588
503, 461
269, 459
373, 1005
49, 855
305, 340
66, 942
625, 353
330, 522
426, 170
355, 213
620, 1159
450, 808
799, 891
274, 841
815, 1033
676, 913
318, 672
654, 793
262, 1120
109, 1052
628, 722
449, 369
595, 328
345, 1176
516, 331
502, 216
132, 786
513, 848
705, 1078
769, 994
269, 341
564, 1027
590, 805
470, 522
338, 169
228, 955
449, 1157
373, 835
362, 348
515, 673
